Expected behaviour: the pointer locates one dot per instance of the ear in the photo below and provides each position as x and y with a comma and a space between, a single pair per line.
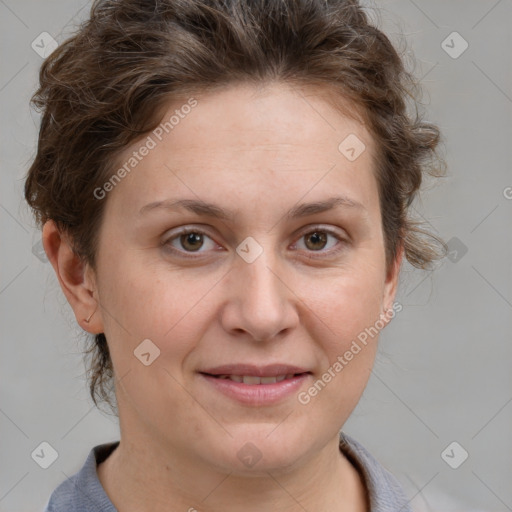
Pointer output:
391, 284
76, 278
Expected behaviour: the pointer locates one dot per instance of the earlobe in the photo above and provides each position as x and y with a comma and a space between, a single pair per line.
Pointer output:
75, 278
87, 320
392, 280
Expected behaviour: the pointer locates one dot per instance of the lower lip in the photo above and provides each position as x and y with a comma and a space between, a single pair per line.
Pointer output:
257, 394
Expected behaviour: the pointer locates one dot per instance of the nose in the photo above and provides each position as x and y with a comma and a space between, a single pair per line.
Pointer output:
260, 303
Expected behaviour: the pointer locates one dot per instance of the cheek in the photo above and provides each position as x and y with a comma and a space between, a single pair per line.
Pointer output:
142, 300
347, 304
168, 308
345, 313
347, 346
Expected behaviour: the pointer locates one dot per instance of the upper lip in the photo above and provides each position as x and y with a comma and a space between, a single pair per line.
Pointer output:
271, 370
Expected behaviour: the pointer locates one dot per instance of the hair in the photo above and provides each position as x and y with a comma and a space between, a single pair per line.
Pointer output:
105, 87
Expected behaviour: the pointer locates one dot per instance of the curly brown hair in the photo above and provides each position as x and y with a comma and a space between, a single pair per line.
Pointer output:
105, 87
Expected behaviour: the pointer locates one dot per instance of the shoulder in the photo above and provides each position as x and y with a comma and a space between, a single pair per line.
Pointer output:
83, 492
384, 490
63, 497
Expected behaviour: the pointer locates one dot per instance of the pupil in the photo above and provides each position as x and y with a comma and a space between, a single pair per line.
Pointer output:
191, 238
317, 237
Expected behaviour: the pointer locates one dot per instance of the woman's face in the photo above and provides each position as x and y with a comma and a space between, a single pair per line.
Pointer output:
271, 282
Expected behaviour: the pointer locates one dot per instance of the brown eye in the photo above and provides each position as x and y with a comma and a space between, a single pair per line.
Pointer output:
191, 241
324, 242
316, 240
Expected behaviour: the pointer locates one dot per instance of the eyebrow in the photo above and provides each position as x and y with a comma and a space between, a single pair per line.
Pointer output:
200, 207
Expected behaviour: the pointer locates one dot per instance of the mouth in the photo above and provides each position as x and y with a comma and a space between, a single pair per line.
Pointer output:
253, 380
244, 387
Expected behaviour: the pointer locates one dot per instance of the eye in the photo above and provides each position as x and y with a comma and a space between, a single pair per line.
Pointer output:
317, 240
190, 240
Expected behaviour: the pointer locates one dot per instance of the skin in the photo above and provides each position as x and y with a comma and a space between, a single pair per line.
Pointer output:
257, 152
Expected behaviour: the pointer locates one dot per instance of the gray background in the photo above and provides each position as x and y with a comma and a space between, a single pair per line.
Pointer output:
443, 372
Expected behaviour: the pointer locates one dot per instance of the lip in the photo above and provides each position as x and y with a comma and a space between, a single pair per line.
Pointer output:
271, 370
256, 394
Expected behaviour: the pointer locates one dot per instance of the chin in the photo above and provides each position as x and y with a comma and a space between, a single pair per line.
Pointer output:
258, 450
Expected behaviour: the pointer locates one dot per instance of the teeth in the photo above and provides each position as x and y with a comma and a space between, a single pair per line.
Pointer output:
252, 380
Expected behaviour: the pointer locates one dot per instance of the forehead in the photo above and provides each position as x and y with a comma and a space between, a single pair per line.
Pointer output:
244, 139
277, 115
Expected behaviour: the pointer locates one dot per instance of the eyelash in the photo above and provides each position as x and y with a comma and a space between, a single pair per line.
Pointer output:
330, 253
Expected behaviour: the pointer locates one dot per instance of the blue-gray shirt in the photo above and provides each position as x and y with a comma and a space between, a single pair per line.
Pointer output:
83, 491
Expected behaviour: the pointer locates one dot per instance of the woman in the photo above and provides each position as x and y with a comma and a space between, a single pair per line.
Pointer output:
224, 192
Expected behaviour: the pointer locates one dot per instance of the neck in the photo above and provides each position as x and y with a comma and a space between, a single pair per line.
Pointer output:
144, 477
